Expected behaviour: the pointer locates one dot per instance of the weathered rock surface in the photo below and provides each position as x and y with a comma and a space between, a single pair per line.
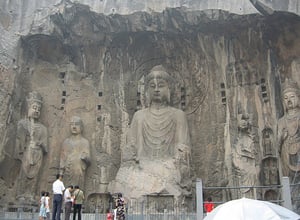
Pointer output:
92, 65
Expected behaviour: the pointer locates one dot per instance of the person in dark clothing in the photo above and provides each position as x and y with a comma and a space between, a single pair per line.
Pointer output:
120, 205
78, 201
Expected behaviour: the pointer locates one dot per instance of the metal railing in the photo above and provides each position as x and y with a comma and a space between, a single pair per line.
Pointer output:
284, 194
98, 216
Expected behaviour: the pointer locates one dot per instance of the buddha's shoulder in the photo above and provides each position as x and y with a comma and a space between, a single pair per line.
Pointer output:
284, 119
141, 113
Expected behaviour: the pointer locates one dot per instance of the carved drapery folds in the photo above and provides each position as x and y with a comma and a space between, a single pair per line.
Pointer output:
95, 66
75, 155
159, 143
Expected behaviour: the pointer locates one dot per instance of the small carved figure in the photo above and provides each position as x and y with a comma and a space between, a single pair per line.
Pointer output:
270, 171
244, 154
267, 141
75, 154
31, 145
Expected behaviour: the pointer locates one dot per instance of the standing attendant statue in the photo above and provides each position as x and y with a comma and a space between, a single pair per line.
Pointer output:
289, 130
289, 137
31, 146
75, 154
243, 158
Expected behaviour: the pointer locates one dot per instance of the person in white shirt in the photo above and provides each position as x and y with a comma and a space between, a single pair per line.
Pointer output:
68, 201
58, 189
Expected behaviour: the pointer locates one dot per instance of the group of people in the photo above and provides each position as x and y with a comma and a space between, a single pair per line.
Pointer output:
70, 196
73, 197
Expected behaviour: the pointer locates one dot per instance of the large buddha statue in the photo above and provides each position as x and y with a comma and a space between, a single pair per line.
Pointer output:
156, 158
31, 145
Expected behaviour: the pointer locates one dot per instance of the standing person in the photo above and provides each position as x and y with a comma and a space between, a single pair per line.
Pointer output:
120, 204
58, 188
68, 201
209, 205
78, 200
47, 203
109, 215
42, 214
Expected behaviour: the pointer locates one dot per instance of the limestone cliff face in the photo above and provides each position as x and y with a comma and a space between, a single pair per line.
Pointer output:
92, 65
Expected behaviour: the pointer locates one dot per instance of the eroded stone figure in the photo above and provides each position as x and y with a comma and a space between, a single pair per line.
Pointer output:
270, 171
31, 146
156, 157
244, 154
288, 129
75, 154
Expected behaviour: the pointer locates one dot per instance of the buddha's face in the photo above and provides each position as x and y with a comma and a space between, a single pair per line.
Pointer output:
158, 90
75, 126
291, 100
34, 110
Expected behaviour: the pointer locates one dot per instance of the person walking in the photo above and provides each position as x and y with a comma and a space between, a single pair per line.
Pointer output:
78, 200
68, 201
58, 189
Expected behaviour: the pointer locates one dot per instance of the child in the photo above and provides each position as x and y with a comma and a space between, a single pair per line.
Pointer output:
109, 215
42, 214
208, 205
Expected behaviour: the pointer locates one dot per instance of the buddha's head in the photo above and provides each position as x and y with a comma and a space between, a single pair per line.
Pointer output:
76, 125
158, 83
244, 122
290, 95
34, 102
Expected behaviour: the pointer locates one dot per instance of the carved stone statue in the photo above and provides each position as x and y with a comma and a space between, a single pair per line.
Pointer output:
156, 158
244, 154
31, 145
75, 154
270, 171
288, 129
